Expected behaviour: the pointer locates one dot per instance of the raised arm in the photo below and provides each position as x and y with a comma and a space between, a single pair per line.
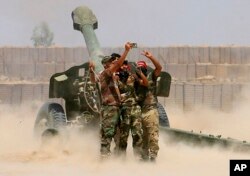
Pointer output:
143, 79
91, 72
158, 67
118, 63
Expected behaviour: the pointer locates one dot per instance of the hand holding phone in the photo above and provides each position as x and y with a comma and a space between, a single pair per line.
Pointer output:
133, 45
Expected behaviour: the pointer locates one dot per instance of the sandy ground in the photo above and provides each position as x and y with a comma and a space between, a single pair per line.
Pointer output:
21, 154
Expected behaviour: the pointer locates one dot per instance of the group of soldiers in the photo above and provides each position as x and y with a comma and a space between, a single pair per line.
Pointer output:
129, 104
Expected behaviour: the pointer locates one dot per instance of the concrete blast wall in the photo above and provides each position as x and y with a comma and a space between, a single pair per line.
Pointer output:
186, 96
184, 63
202, 75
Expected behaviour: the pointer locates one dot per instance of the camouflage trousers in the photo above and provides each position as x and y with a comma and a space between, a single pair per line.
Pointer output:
109, 120
150, 126
130, 121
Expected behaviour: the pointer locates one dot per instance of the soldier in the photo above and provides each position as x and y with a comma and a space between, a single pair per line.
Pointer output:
110, 100
130, 110
150, 115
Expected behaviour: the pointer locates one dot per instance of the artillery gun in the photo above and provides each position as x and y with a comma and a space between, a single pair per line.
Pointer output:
82, 98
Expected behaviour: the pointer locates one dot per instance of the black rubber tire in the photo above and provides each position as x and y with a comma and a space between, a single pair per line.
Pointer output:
163, 117
50, 116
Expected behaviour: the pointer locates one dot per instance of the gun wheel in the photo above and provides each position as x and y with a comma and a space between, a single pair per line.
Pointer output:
163, 118
50, 116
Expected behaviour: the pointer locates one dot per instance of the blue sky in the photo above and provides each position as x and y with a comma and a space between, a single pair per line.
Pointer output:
147, 22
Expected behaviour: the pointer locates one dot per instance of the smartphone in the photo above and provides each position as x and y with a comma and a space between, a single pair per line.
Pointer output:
134, 45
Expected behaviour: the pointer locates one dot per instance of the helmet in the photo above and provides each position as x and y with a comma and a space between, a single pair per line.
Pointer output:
107, 59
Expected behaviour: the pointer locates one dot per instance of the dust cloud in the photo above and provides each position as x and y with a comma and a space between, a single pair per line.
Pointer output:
21, 153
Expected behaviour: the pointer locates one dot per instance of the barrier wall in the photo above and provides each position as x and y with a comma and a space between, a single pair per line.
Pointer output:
202, 75
186, 96
184, 63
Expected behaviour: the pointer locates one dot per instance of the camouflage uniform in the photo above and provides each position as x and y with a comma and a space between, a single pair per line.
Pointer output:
110, 110
130, 116
150, 118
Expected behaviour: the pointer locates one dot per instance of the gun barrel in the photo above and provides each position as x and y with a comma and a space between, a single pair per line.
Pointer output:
85, 21
202, 140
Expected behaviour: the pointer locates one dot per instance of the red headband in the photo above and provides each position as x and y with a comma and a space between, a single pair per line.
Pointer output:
141, 64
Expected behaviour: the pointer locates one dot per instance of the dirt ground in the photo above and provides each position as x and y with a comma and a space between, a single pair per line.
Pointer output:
21, 154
